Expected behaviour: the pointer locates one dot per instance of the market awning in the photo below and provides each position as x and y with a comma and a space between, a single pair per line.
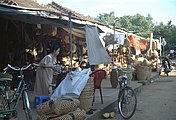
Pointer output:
33, 16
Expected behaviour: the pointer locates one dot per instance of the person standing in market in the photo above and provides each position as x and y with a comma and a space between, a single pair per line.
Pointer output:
45, 72
172, 52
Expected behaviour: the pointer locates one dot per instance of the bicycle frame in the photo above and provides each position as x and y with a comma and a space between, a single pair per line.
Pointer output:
123, 84
16, 95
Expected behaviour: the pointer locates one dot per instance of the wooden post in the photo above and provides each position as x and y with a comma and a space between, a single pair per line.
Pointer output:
160, 44
113, 45
151, 40
70, 26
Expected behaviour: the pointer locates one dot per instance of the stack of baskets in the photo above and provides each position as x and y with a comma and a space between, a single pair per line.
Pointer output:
68, 109
86, 97
63, 109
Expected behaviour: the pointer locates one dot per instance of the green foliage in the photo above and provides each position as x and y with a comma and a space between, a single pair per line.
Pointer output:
139, 24
107, 19
168, 32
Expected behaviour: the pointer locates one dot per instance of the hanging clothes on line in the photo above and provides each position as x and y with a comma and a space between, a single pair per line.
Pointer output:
119, 38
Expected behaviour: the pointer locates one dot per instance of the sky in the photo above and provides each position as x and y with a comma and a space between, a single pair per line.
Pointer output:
160, 10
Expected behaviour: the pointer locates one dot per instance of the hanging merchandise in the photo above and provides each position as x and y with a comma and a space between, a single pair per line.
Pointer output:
137, 44
119, 38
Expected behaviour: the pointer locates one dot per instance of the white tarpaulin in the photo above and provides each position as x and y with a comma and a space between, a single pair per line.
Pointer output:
96, 52
72, 85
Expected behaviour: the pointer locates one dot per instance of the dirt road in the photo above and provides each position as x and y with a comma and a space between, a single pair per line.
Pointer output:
157, 101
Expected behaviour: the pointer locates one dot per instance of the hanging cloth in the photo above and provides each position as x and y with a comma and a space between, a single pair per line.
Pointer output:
137, 44
96, 52
119, 38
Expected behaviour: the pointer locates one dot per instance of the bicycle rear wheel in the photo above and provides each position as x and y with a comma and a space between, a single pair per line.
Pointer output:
127, 102
26, 106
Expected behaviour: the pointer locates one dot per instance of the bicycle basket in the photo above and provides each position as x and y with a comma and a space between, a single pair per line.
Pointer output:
123, 81
5, 79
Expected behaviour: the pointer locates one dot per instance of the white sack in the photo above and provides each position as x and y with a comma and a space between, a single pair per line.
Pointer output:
72, 85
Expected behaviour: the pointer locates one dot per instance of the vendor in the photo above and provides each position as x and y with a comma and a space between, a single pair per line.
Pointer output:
154, 59
45, 72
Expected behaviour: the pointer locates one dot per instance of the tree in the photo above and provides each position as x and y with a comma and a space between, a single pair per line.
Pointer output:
138, 23
106, 18
167, 31
141, 25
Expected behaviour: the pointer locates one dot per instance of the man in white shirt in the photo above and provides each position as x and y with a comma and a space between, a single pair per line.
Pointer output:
172, 53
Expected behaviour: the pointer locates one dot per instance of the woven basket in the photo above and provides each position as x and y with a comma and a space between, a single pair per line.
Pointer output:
46, 117
114, 78
149, 73
86, 96
78, 114
75, 115
142, 72
61, 107
45, 108
63, 117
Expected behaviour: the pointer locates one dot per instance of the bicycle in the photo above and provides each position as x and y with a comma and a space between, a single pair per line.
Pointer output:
127, 100
8, 104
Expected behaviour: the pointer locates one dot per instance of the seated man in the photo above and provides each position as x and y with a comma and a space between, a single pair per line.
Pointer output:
154, 59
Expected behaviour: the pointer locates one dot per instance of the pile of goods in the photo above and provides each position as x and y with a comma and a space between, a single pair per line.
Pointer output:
143, 69
61, 109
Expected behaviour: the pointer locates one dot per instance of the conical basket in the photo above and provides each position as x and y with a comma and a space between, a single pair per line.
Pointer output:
86, 97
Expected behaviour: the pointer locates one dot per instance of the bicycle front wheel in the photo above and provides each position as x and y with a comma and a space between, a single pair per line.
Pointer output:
26, 106
127, 102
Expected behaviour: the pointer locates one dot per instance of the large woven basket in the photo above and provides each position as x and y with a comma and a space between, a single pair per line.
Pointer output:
61, 107
45, 108
86, 96
142, 72
46, 117
78, 114
114, 78
75, 115
149, 73
63, 117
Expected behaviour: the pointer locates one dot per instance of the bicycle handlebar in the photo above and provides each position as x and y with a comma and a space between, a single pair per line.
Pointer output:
17, 68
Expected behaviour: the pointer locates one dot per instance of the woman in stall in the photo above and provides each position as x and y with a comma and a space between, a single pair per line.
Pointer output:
45, 72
